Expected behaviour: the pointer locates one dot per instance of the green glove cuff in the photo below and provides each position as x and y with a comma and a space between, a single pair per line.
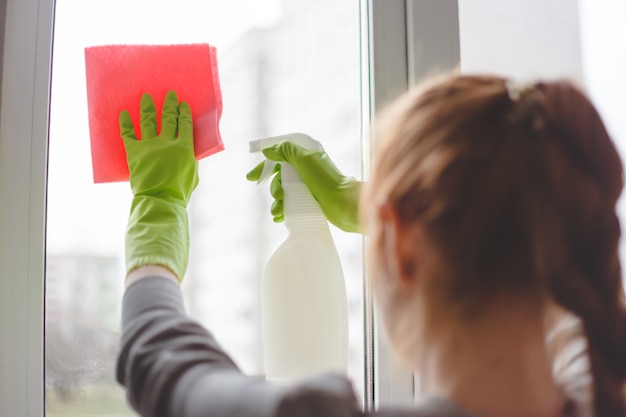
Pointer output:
348, 219
157, 234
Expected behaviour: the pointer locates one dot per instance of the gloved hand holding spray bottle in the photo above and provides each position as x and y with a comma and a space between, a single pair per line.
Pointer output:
304, 306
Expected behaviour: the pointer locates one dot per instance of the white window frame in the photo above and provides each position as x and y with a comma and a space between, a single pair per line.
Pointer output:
405, 41
393, 41
23, 163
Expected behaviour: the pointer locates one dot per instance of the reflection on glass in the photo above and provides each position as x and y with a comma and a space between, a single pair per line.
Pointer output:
284, 66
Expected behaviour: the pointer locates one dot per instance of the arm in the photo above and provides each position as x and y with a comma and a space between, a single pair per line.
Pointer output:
172, 366
169, 364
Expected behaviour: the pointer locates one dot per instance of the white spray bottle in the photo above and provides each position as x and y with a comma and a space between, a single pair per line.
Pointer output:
304, 311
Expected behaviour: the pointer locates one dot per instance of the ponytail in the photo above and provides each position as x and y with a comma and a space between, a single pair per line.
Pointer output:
585, 274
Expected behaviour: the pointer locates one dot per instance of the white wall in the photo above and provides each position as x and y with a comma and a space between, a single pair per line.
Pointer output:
523, 39
603, 34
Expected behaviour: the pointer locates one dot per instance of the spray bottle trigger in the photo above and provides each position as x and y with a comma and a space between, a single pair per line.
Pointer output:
268, 170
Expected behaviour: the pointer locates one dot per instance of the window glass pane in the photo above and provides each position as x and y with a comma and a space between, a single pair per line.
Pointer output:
285, 66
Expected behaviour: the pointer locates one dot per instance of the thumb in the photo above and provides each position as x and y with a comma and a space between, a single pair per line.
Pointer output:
285, 152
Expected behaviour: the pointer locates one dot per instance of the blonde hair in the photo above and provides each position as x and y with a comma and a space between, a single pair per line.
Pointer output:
516, 189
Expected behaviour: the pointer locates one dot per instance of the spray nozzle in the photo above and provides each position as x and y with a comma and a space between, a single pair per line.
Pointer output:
301, 139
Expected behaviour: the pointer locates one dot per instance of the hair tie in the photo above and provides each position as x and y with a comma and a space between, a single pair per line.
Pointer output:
517, 89
526, 107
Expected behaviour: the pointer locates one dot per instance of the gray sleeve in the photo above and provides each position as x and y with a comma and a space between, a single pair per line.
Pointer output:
172, 366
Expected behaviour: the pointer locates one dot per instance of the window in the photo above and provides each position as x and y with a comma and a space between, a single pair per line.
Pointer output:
283, 68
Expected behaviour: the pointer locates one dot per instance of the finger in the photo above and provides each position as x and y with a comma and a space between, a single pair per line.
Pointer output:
255, 173
276, 187
127, 130
278, 209
284, 151
147, 117
185, 121
275, 153
169, 115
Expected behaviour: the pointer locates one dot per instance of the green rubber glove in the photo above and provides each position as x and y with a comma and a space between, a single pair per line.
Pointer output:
337, 195
163, 174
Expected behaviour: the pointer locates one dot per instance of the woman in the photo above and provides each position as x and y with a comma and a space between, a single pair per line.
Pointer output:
491, 213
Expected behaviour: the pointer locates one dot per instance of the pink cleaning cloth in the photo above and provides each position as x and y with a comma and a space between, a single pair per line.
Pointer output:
117, 77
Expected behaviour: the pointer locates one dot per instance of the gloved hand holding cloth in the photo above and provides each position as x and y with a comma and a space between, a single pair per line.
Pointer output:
163, 174
337, 194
